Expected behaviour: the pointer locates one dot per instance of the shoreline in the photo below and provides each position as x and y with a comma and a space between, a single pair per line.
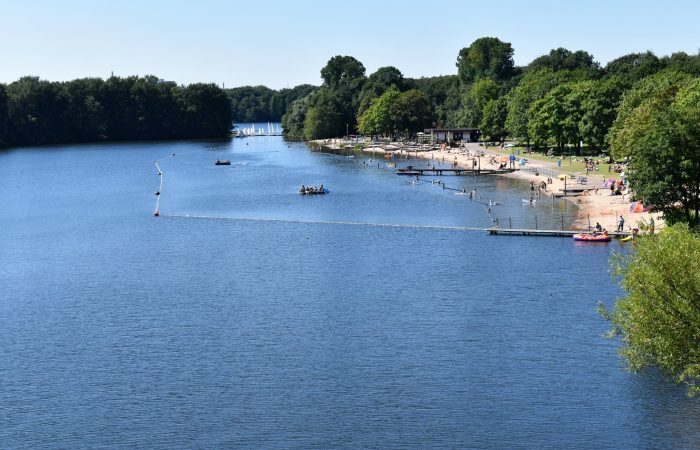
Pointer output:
594, 206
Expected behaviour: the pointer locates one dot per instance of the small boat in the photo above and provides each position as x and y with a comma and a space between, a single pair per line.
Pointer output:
592, 237
223, 162
627, 239
392, 164
314, 191
534, 200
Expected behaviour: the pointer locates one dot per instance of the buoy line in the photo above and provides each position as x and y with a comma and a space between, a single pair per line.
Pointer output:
323, 222
160, 188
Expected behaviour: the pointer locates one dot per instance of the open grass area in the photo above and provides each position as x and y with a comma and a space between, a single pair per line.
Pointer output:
568, 165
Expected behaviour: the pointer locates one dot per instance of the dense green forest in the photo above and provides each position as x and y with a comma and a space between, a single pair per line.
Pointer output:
262, 104
34, 111
561, 98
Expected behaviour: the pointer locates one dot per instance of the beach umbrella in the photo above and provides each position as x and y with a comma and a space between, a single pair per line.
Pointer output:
638, 207
563, 176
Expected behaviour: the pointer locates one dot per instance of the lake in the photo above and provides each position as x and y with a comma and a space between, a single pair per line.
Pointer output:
250, 316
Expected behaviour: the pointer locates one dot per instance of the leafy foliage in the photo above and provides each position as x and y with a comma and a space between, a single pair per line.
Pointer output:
34, 111
620, 136
443, 96
659, 318
395, 112
534, 86
343, 71
331, 110
493, 121
474, 100
634, 67
262, 104
487, 57
599, 110
563, 59
665, 164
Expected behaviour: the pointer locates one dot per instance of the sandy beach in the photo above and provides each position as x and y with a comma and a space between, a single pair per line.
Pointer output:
598, 206
595, 205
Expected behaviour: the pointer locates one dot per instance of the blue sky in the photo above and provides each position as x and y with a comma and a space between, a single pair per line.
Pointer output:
285, 43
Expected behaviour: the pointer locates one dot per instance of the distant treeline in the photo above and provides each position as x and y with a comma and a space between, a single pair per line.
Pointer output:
561, 98
34, 111
262, 104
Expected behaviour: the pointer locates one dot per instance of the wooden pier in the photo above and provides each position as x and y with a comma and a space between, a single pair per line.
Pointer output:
418, 171
555, 233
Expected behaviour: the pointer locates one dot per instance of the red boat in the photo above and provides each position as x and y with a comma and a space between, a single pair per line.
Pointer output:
592, 237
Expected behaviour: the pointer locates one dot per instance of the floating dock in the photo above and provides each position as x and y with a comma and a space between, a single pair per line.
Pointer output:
555, 233
416, 171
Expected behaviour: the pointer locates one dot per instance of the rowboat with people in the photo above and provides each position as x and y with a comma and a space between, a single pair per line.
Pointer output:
313, 190
223, 162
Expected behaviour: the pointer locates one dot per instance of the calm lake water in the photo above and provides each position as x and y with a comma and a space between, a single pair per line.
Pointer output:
250, 316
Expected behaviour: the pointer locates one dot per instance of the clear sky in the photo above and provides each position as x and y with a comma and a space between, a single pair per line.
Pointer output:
286, 43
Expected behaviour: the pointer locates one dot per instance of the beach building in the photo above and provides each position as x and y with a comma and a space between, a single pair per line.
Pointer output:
453, 134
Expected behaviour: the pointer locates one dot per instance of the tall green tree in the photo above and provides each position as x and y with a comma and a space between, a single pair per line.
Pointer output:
252, 104
658, 319
207, 110
563, 59
343, 71
599, 110
413, 111
534, 86
35, 112
664, 168
442, 94
634, 66
85, 113
477, 95
326, 116
382, 116
683, 62
294, 119
333, 108
493, 121
378, 83
486, 57
556, 116
668, 81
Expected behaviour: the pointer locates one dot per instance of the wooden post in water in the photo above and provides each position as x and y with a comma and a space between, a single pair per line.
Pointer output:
510, 224
535, 221
562, 222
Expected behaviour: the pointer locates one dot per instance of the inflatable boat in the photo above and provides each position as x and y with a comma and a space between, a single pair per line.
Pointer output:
592, 237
